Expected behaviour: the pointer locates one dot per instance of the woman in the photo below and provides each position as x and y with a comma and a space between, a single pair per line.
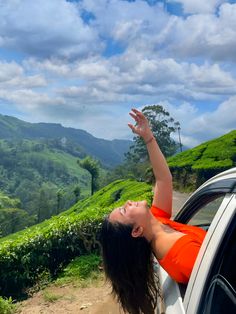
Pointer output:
132, 234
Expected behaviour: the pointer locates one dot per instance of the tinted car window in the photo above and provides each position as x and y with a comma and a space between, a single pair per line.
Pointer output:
221, 298
206, 213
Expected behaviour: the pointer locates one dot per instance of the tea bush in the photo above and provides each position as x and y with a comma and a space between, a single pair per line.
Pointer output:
194, 166
6, 306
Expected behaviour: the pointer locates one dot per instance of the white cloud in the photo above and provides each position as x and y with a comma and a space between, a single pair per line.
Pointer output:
124, 18
50, 66
141, 27
9, 70
29, 101
204, 35
13, 76
199, 6
124, 79
46, 28
215, 123
134, 25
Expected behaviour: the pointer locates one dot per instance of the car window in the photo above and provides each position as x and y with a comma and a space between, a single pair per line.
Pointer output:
220, 296
206, 213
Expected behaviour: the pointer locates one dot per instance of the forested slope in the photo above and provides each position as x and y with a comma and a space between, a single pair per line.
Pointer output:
43, 179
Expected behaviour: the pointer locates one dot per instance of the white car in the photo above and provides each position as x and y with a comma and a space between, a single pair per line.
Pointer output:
212, 285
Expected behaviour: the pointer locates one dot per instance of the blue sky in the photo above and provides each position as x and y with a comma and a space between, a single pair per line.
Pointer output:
86, 63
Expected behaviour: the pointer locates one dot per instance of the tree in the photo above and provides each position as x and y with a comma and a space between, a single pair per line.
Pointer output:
60, 193
47, 201
13, 220
162, 126
92, 166
77, 192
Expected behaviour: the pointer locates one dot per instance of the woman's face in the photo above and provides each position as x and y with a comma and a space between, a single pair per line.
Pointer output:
131, 213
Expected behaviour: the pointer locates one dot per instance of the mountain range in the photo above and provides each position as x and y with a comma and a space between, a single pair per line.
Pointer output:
109, 152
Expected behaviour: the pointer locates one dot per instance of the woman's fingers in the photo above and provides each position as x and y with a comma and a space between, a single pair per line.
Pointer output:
136, 118
133, 116
140, 120
138, 113
132, 127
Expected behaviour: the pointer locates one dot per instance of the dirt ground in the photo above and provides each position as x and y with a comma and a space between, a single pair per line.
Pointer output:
69, 299
73, 300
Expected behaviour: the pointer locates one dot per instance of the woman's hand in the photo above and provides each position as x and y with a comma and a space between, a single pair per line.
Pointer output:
142, 126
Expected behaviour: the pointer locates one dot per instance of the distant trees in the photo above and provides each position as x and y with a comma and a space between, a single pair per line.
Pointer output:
38, 175
12, 217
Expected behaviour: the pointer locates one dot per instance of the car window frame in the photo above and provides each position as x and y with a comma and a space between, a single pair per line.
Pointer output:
203, 196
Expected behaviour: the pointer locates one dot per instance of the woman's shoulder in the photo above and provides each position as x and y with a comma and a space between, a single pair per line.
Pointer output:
159, 213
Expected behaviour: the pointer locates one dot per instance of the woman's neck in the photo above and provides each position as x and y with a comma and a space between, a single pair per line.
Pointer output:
153, 229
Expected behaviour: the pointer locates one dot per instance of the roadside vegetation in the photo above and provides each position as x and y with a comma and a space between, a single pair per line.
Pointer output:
82, 271
7, 306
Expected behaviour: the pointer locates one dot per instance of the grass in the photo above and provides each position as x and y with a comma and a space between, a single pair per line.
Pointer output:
82, 271
50, 297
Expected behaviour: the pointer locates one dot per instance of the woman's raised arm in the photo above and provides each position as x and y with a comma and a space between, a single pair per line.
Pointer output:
163, 185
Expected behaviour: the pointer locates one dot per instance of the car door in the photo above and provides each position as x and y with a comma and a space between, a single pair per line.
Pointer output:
219, 295
212, 283
200, 209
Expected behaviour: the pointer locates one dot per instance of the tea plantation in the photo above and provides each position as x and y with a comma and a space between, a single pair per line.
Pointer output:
46, 248
193, 167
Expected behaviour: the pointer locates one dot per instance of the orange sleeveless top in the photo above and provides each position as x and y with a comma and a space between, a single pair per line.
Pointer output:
179, 260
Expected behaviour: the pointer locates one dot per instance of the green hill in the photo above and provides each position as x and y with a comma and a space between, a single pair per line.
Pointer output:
194, 166
38, 165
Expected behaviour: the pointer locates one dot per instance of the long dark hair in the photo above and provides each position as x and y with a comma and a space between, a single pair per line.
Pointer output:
129, 267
